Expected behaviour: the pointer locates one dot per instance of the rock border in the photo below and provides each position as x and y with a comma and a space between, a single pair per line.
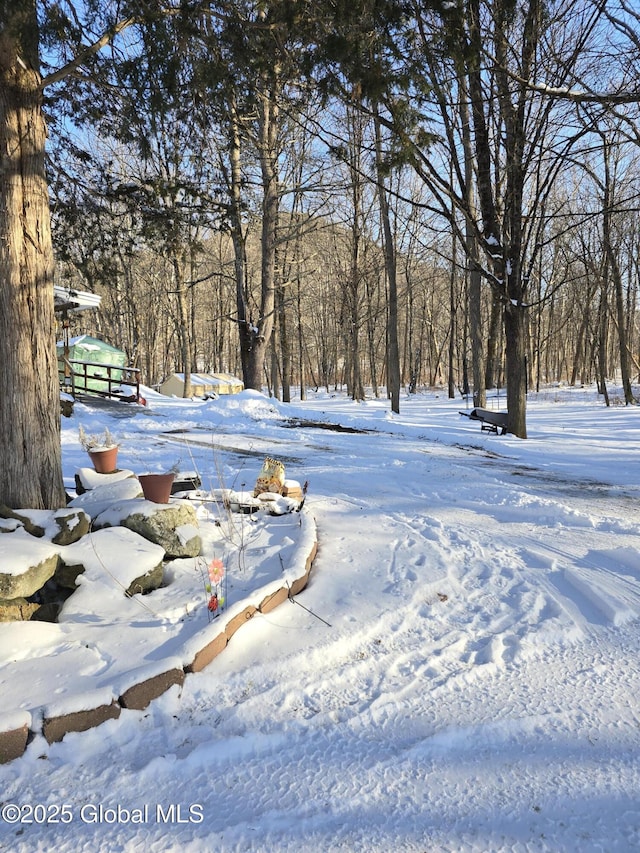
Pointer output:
96, 707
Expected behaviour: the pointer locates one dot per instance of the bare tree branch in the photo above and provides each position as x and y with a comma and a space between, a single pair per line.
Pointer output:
87, 53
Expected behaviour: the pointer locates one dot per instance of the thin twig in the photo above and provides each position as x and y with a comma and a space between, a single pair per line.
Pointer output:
294, 601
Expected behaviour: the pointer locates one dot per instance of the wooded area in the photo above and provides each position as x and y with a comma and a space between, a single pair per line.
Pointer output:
381, 195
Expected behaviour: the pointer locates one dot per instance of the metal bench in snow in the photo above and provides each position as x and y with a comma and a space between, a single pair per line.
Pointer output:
490, 421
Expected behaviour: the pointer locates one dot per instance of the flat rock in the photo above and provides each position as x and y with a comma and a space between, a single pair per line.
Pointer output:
173, 526
100, 553
26, 564
101, 497
88, 479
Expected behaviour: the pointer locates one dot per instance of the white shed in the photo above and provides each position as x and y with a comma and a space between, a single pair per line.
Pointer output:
202, 384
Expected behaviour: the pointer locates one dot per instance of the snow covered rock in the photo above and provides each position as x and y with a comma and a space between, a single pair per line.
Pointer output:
62, 526
102, 496
88, 479
72, 523
174, 526
14, 731
140, 686
19, 518
118, 563
79, 713
26, 564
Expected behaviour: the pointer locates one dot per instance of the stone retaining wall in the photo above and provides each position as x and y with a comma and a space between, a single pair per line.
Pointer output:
17, 729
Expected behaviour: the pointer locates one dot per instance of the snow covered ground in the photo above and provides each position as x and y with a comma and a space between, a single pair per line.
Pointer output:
463, 674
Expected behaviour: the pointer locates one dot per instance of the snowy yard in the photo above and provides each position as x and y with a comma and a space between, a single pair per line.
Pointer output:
471, 683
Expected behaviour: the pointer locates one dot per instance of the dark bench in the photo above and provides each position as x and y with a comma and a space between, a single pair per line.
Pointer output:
490, 421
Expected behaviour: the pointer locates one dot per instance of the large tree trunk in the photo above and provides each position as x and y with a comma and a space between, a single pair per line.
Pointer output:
474, 277
516, 368
256, 335
31, 470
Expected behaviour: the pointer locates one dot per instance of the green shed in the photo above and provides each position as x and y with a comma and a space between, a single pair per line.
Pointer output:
99, 361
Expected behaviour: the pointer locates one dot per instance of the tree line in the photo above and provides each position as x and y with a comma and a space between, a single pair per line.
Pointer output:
382, 194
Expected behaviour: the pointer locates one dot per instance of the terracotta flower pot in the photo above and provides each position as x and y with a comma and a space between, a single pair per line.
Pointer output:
156, 487
104, 459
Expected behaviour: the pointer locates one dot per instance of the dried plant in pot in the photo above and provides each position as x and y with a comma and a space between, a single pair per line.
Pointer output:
102, 450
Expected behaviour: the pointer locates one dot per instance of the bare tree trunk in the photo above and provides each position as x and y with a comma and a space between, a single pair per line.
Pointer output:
31, 470
371, 287
352, 361
301, 342
285, 346
245, 325
268, 240
471, 250
493, 339
184, 339
478, 362
603, 314
516, 368
612, 257
255, 333
453, 328
579, 360
393, 351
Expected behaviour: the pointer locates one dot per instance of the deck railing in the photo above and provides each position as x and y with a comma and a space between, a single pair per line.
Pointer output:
110, 381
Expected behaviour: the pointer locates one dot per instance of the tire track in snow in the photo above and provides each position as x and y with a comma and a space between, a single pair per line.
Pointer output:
501, 597
585, 591
499, 601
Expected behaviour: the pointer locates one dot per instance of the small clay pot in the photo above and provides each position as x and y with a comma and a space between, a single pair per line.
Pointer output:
156, 487
104, 459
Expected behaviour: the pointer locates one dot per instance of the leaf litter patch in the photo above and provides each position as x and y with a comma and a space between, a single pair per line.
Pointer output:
300, 422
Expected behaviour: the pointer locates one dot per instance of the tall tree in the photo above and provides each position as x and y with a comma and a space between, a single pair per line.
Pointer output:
389, 247
31, 474
252, 72
29, 392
